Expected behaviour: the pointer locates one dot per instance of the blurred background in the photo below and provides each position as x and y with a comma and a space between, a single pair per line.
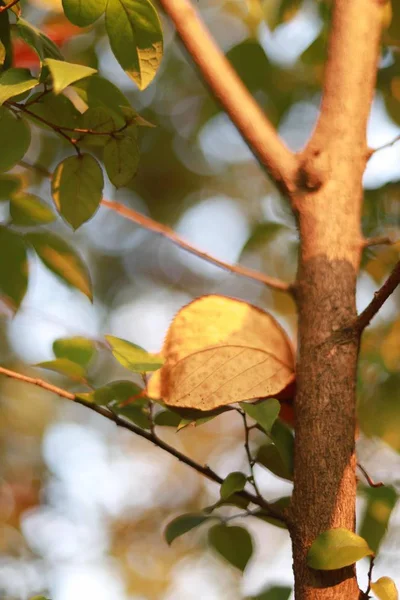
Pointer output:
82, 504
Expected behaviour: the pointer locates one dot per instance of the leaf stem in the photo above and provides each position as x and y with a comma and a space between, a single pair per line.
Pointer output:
380, 297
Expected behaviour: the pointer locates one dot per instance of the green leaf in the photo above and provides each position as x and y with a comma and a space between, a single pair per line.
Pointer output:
282, 436
57, 110
183, 524
13, 268
269, 457
98, 92
63, 366
39, 598
167, 418
37, 40
77, 187
27, 209
385, 589
234, 544
83, 12
9, 185
281, 505
62, 260
234, 482
15, 137
116, 392
133, 118
134, 24
14, 82
136, 413
133, 357
273, 593
337, 548
78, 349
100, 120
121, 157
65, 73
264, 413
380, 504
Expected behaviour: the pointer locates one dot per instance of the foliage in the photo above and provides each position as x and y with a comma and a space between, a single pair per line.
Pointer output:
69, 133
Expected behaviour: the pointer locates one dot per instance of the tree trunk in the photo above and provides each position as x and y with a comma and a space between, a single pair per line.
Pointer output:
329, 216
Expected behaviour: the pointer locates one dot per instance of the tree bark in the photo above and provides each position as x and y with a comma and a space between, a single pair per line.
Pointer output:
329, 217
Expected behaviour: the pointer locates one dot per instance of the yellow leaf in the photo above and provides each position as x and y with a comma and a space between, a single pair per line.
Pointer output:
220, 351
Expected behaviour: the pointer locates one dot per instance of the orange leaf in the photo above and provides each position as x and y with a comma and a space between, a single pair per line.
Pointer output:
219, 351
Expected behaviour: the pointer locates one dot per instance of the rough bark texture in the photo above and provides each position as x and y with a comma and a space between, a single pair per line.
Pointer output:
329, 222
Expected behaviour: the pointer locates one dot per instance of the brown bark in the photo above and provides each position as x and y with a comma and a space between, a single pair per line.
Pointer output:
331, 241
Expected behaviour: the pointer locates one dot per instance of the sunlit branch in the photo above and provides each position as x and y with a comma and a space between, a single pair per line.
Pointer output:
8, 6
379, 240
379, 299
151, 436
229, 90
168, 233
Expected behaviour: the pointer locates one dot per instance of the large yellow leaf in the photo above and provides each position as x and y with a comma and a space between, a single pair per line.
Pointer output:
220, 351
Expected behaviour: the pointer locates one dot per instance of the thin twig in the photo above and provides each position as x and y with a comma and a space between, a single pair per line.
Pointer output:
379, 240
168, 233
148, 435
250, 458
371, 566
229, 90
379, 299
8, 6
369, 479
372, 151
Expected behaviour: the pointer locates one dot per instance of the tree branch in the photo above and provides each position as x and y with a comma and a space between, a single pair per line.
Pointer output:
380, 297
226, 86
8, 6
168, 233
151, 436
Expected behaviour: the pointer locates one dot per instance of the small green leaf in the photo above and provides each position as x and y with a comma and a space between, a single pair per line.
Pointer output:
385, 589
183, 524
9, 185
269, 457
13, 268
78, 349
133, 357
77, 187
100, 120
281, 505
133, 118
264, 413
234, 482
37, 40
83, 12
273, 593
57, 110
167, 418
116, 392
15, 137
134, 24
136, 413
234, 544
337, 548
14, 82
380, 504
282, 436
62, 260
27, 209
64, 367
65, 73
98, 92
121, 157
